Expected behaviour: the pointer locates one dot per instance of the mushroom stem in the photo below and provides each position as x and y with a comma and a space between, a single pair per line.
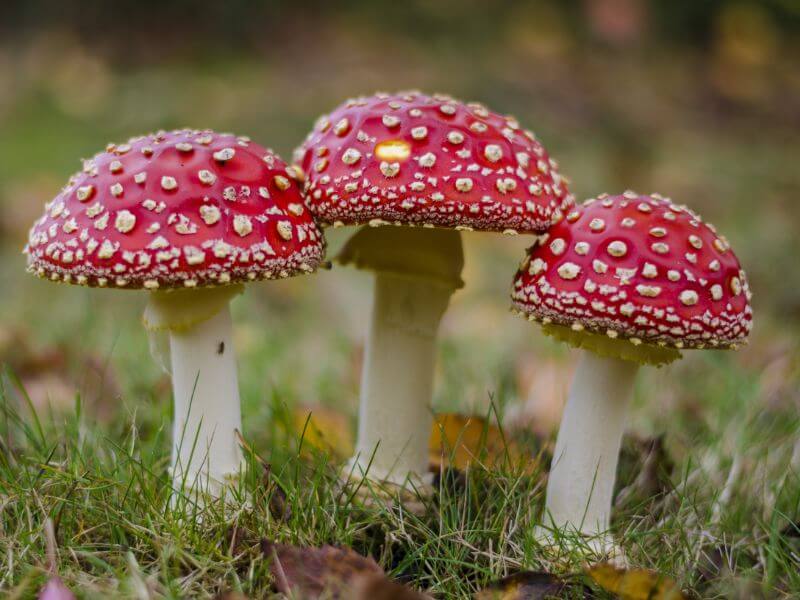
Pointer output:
581, 482
416, 269
395, 414
206, 394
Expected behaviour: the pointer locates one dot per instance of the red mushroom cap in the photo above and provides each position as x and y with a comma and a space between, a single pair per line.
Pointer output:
181, 209
414, 159
637, 267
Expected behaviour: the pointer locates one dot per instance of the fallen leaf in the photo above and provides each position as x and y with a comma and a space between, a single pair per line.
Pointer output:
459, 441
332, 572
467, 439
379, 587
529, 585
323, 429
635, 584
279, 506
311, 572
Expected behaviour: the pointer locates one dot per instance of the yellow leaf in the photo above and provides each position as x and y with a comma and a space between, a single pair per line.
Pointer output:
459, 441
529, 585
323, 429
635, 584
468, 440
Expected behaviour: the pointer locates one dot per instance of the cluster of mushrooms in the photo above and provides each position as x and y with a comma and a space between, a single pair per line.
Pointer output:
190, 216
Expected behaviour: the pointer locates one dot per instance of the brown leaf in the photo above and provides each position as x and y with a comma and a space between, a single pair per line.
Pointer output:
311, 572
323, 429
529, 585
635, 584
379, 587
459, 441
279, 506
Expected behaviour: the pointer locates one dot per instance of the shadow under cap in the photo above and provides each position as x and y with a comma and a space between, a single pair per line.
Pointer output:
428, 253
181, 309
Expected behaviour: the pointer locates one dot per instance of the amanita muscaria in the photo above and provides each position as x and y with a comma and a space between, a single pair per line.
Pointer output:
188, 216
434, 166
631, 280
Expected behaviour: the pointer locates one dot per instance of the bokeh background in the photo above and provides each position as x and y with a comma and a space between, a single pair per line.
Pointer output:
698, 100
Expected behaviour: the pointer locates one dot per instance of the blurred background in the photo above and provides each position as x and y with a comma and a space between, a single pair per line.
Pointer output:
698, 100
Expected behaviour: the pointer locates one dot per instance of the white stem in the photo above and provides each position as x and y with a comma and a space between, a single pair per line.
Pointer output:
207, 412
581, 481
397, 379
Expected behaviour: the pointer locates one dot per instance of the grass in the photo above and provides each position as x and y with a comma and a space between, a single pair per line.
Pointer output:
106, 494
719, 524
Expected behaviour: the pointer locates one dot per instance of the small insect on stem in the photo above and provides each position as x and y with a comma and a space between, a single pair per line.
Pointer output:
221, 348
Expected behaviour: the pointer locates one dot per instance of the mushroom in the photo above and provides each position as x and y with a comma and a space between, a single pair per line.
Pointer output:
435, 167
632, 280
188, 216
